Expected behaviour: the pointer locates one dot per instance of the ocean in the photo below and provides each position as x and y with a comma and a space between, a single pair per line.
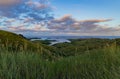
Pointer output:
62, 39
75, 37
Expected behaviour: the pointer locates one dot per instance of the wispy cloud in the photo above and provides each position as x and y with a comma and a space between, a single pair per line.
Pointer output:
67, 25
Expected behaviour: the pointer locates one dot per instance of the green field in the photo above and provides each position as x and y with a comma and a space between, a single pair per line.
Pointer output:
80, 59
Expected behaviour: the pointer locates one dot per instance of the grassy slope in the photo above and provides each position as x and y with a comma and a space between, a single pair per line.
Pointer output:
13, 42
97, 64
9, 39
80, 46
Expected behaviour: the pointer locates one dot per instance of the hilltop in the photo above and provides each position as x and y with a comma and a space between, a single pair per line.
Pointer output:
15, 42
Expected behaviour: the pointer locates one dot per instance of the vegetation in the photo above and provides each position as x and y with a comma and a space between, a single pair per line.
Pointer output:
100, 64
80, 46
15, 43
80, 59
46, 42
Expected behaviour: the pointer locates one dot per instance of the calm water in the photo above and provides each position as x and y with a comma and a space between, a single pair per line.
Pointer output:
62, 39
76, 37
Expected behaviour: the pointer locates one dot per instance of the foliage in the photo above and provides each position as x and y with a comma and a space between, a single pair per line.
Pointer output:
80, 46
80, 59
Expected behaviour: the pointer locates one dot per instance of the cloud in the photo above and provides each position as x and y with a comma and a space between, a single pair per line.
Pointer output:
39, 10
37, 5
64, 23
67, 23
9, 2
22, 28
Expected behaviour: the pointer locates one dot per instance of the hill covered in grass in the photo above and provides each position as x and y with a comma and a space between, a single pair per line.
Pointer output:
95, 64
80, 59
16, 42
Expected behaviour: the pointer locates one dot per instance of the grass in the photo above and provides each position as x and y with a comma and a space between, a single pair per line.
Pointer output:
15, 42
58, 62
97, 64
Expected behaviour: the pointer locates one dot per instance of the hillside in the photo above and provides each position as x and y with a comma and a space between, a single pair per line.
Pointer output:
12, 42
95, 64
80, 59
15, 42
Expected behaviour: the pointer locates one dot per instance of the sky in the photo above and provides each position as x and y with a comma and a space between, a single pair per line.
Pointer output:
61, 17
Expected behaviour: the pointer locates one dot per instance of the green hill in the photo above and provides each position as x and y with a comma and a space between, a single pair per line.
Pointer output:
80, 59
15, 42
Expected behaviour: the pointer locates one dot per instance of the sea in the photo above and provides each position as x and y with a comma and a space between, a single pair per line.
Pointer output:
62, 39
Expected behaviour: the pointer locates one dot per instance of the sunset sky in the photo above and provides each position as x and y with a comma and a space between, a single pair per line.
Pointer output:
61, 17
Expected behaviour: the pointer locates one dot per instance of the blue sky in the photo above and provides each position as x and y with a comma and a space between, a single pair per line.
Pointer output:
89, 9
61, 17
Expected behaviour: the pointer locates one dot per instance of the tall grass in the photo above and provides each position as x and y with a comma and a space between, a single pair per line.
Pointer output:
96, 64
